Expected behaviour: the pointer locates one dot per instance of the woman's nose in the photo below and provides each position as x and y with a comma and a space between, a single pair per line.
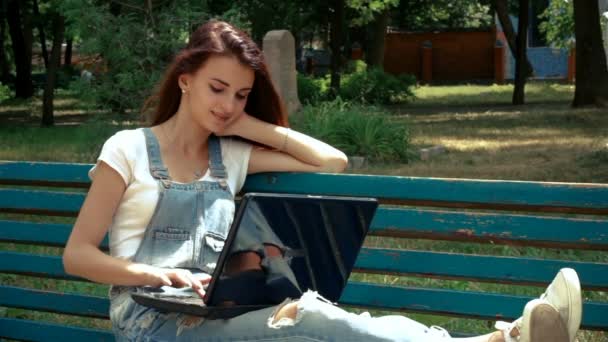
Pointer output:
228, 106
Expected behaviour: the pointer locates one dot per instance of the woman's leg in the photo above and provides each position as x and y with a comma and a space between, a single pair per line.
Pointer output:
540, 323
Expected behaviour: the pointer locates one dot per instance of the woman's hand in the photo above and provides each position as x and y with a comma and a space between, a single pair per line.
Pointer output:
176, 277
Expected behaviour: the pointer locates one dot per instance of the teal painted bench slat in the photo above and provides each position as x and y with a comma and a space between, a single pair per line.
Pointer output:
475, 267
593, 276
48, 234
591, 198
21, 329
472, 304
505, 214
439, 225
30, 201
72, 304
494, 228
70, 174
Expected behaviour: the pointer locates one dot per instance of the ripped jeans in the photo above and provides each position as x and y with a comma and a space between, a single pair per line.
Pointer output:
316, 320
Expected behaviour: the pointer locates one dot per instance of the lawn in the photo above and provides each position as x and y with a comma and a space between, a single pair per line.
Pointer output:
484, 137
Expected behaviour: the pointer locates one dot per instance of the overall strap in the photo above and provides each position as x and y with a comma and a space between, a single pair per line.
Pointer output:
157, 168
216, 165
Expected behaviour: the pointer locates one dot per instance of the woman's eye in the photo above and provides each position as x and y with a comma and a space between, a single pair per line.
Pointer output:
241, 96
216, 90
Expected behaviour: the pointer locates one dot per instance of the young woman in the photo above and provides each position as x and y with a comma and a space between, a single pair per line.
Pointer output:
166, 195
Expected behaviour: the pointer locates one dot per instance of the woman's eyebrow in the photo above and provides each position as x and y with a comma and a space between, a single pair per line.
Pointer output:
228, 84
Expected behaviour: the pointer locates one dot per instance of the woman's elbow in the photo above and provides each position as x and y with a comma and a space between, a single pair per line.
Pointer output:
68, 260
335, 164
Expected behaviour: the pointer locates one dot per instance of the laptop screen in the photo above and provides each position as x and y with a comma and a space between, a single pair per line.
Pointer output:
299, 242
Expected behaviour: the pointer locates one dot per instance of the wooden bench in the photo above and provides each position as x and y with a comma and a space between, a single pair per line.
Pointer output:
402, 267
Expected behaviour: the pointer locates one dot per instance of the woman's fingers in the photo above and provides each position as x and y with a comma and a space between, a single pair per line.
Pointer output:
203, 278
179, 278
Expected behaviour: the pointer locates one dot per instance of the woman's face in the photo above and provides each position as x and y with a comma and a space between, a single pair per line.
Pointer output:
217, 93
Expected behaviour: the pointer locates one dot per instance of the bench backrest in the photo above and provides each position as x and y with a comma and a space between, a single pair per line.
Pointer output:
556, 216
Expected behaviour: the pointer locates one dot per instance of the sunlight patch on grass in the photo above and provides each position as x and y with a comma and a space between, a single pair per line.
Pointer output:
484, 94
476, 145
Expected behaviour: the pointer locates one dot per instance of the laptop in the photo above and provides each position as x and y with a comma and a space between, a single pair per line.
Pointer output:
317, 238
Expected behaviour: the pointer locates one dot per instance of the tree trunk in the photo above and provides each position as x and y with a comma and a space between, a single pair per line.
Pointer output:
502, 12
520, 58
45, 53
591, 74
376, 52
4, 67
336, 41
67, 59
22, 50
51, 73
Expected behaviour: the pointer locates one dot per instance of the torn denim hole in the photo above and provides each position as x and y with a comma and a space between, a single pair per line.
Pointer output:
119, 306
310, 302
146, 321
284, 321
184, 322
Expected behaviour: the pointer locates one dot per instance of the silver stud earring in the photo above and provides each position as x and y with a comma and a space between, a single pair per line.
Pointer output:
183, 91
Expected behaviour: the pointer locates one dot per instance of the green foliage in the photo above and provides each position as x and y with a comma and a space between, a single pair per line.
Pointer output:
357, 130
5, 92
558, 24
360, 85
356, 65
377, 87
310, 90
258, 17
442, 14
367, 10
134, 41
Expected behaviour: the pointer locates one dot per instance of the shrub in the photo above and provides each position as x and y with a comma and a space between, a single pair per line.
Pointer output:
133, 44
309, 90
357, 130
5, 92
374, 86
356, 65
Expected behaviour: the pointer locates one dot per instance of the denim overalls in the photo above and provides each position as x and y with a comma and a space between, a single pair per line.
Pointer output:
187, 230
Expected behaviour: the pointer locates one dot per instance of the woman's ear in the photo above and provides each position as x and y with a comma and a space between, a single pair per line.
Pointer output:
184, 82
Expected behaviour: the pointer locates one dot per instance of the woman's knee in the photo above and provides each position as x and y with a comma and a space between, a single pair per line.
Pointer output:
287, 311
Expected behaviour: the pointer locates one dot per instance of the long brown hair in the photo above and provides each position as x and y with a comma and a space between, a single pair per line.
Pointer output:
217, 38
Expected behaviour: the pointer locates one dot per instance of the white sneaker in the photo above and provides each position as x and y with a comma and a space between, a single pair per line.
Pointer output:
541, 322
564, 294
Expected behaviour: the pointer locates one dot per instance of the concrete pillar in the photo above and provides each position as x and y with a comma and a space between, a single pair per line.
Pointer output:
280, 54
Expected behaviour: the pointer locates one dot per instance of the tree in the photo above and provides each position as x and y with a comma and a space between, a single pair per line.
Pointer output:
39, 24
51, 72
376, 48
591, 73
422, 15
558, 24
502, 12
376, 14
130, 43
520, 57
336, 42
19, 23
67, 59
4, 64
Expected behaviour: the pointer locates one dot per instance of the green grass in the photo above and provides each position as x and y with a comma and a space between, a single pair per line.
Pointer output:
471, 95
485, 137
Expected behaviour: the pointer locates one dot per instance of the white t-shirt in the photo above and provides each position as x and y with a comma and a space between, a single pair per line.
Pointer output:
126, 153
